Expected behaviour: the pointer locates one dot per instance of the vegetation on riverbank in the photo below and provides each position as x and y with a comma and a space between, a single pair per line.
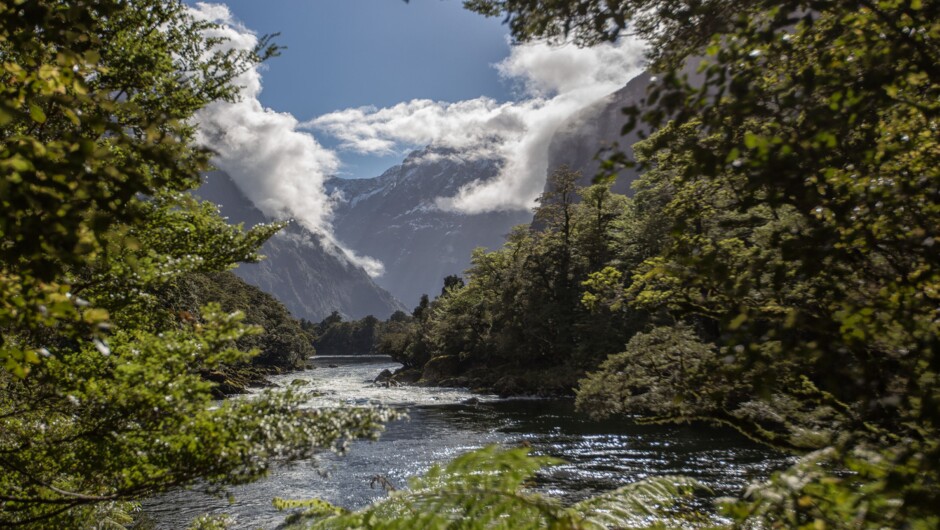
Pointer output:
334, 336
778, 268
280, 345
518, 325
106, 391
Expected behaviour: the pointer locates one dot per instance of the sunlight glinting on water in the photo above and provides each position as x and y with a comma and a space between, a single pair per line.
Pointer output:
441, 424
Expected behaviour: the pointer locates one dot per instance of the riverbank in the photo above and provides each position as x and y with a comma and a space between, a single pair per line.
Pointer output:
238, 380
504, 381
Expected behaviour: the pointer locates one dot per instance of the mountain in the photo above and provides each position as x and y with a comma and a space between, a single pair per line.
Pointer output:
578, 140
306, 275
393, 217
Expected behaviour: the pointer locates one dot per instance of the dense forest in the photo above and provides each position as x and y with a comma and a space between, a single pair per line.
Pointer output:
517, 324
334, 336
776, 270
281, 343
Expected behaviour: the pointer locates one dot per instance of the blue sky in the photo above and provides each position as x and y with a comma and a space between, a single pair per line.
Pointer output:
353, 53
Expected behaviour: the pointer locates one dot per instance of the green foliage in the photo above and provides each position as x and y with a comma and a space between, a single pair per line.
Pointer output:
140, 420
809, 494
452, 281
674, 28
359, 337
94, 116
487, 489
788, 213
395, 336
644, 378
135, 275
671, 374
801, 214
102, 394
282, 343
518, 325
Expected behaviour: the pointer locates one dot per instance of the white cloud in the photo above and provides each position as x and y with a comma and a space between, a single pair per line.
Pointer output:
279, 167
462, 125
552, 70
556, 82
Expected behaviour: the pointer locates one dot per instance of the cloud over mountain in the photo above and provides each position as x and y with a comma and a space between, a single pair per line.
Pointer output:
278, 166
281, 167
554, 83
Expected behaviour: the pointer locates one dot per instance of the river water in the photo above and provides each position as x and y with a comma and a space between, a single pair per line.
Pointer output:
599, 455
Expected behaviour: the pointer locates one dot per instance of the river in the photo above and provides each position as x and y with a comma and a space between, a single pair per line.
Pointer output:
599, 455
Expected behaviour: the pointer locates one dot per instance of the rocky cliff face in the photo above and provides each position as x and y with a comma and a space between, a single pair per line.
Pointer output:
578, 140
393, 218
309, 278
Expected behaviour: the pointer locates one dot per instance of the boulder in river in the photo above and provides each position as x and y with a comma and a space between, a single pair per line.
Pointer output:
441, 368
405, 376
383, 377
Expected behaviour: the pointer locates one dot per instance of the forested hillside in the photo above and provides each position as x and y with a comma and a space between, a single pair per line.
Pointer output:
518, 325
281, 343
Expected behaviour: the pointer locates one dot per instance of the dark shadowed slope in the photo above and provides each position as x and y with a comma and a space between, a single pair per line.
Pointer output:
300, 271
578, 140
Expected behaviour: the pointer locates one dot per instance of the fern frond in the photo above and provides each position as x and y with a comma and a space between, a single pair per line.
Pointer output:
486, 490
638, 505
312, 507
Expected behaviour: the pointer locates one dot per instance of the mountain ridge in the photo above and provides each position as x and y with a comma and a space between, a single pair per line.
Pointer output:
394, 218
579, 139
308, 276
